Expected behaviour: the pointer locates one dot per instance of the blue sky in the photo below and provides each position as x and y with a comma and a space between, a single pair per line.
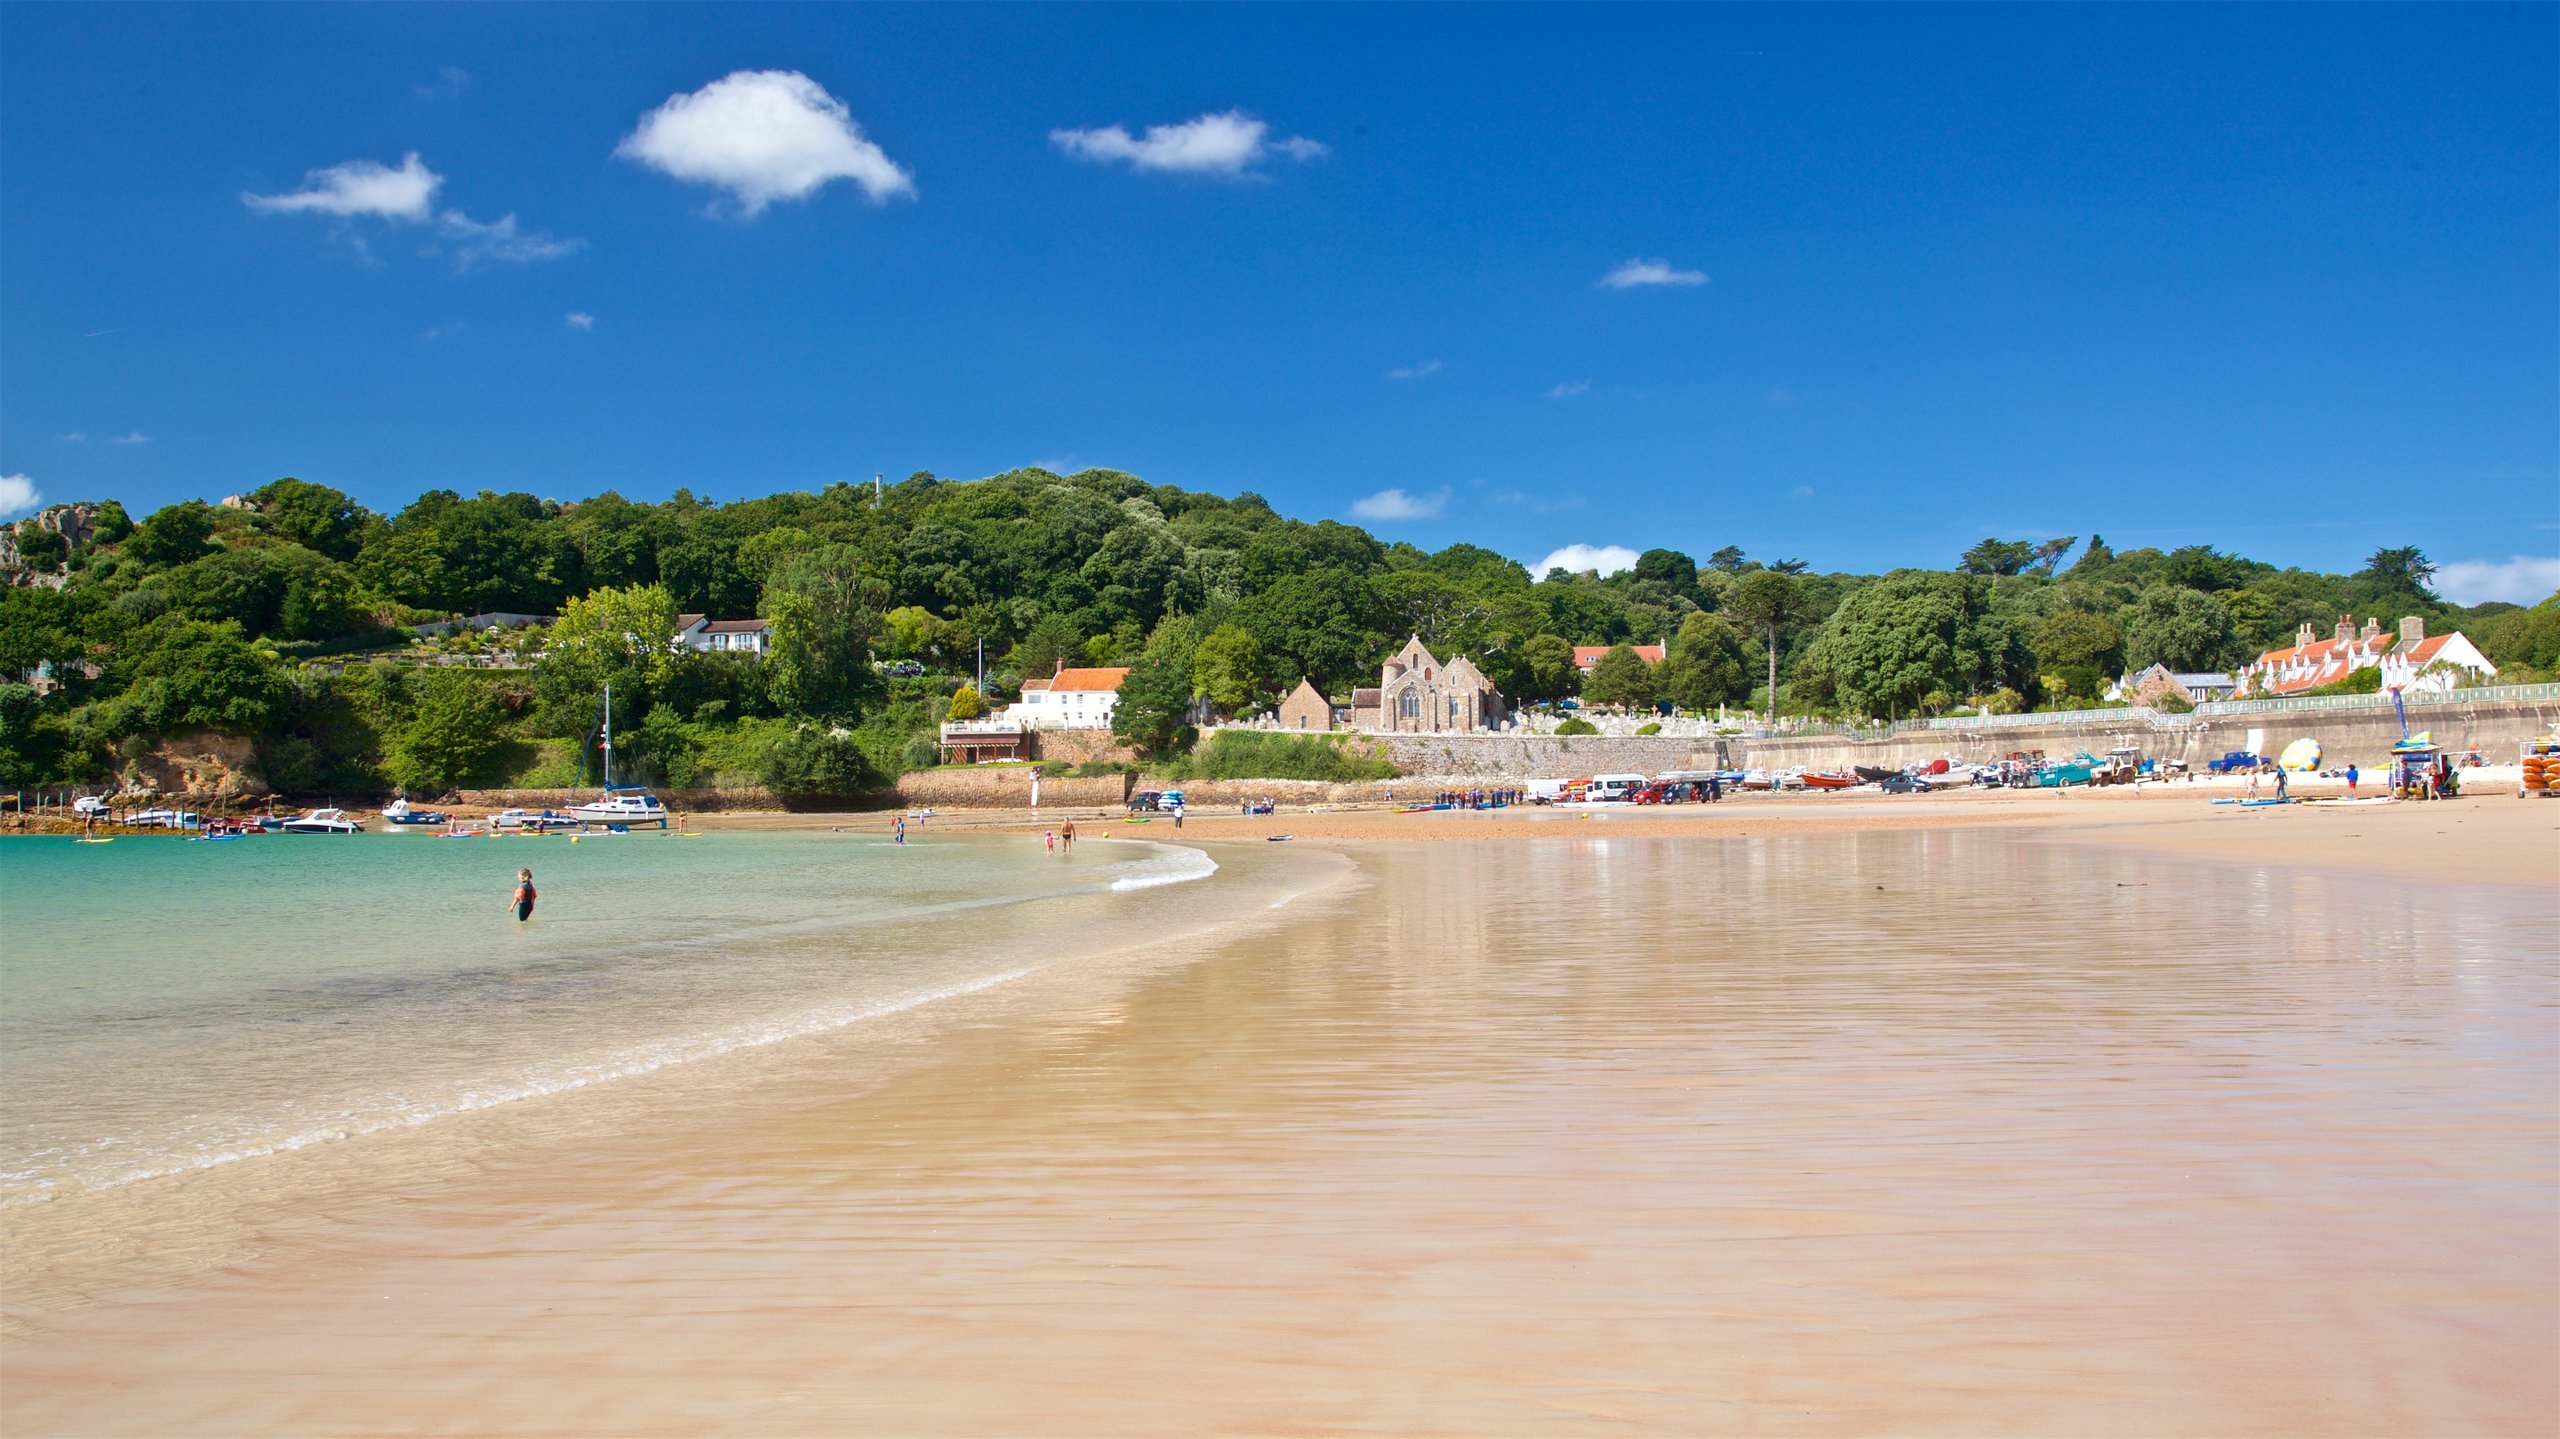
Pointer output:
2283, 279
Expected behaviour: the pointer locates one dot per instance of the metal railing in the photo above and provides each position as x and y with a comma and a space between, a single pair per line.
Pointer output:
2483, 694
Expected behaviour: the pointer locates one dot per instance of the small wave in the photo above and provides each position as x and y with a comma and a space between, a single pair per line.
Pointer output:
36, 1189
1172, 865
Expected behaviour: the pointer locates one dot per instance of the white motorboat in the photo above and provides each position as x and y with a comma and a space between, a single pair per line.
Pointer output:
164, 819
324, 821
624, 805
518, 821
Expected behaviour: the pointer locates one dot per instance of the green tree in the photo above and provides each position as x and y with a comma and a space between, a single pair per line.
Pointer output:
1728, 559
1620, 678
2403, 570
40, 549
1053, 641
1707, 666
823, 606
1154, 709
2186, 630
623, 637
451, 736
112, 525
314, 516
966, 704
1997, 557
2078, 648
1546, 663
1914, 640
1226, 669
181, 674
173, 535
1769, 602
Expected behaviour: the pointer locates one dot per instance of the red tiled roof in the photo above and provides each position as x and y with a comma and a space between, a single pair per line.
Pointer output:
1585, 656
1085, 679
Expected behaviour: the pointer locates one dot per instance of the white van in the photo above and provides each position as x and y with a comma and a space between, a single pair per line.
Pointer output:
1614, 788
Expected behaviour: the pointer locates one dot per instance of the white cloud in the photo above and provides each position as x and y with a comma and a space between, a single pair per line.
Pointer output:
499, 242
129, 437
1423, 371
450, 80
1574, 559
2523, 580
17, 493
1802, 492
763, 135
1399, 505
1229, 143
578, 320
1570, 389
72, 438
359, 187
439, 332
1650, 272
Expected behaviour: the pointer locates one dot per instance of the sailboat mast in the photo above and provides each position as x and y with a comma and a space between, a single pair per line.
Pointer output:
608, 734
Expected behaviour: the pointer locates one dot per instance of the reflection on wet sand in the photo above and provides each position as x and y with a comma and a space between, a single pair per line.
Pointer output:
1950, 1132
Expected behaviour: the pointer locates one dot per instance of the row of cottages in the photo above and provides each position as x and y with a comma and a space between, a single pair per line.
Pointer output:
2408, 659
1415, 694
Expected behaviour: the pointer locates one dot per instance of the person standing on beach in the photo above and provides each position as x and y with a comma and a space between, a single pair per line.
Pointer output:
1049, 840
522, 900
898, 830
2282, 793
1067, 832
2351, 781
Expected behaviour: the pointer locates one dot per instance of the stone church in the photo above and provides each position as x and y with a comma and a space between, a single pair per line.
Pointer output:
1417, 694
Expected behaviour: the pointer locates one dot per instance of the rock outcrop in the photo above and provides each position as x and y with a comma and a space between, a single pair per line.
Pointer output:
202, 766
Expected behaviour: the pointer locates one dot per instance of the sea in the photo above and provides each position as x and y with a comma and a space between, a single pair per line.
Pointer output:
169, 1006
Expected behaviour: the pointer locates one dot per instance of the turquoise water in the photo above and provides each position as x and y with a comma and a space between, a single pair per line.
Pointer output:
167, 1006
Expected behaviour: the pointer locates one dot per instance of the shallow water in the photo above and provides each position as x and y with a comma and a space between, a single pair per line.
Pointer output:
166, 1006
1941, 1133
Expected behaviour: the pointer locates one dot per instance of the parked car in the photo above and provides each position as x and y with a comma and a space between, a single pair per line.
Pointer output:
1903, 784
2239, 761
1146, 801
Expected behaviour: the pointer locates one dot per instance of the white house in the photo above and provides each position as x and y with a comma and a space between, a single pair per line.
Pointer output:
701, 632
2407, 659
1069, 699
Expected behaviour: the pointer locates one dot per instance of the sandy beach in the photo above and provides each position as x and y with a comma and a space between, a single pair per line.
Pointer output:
2090, 1114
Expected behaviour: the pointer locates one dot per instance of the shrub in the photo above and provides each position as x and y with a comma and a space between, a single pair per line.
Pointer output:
1577, 725
1259, 754
2174, 703
1649, 727
817, 761
967, 704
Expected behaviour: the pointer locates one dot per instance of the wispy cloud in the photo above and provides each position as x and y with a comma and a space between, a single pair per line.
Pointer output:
359, 188
763, 136
1802, 492
440, 332
1574, 559
18, 493
72, 438
1400, 505
578, 320
1635, 273
1537, 504
1228, 143
451, 80
499, 242
130, 437
1423, 371
1570, 389
2521, 580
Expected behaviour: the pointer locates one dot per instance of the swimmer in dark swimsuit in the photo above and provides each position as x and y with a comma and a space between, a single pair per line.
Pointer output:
523, 897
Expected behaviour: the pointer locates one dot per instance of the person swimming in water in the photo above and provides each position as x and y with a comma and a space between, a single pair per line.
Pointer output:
522, 900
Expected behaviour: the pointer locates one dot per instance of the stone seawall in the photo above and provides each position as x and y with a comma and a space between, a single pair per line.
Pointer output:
2362, 735
1007, 787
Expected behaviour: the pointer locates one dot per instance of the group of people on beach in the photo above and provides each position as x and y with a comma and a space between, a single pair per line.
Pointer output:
1063, 837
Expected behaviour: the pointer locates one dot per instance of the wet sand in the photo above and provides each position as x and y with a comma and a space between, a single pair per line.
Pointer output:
1604, 1126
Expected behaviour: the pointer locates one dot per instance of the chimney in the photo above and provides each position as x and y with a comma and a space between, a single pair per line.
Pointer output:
2372, 627
1060, 671
2302, 637
2413, 628
2346, 629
